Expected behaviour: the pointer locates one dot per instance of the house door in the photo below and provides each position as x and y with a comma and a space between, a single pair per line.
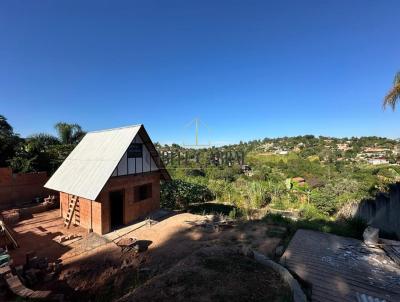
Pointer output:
116, 209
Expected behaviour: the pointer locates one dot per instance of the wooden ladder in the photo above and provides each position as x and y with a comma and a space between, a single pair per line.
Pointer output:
73, 207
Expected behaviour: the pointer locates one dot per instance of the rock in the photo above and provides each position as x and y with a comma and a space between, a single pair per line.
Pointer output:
279, 251
371, 236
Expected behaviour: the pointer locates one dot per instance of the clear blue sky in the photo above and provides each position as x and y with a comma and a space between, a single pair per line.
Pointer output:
249, 69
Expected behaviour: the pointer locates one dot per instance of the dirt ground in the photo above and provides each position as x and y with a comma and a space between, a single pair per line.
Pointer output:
178, 236
98, 270
38, 234
214, 274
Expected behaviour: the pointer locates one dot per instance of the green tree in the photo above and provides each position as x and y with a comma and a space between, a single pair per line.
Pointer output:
393, 95
43, 152
35, 154
9, 142
69, 133
179, 194
40, 141
5, 127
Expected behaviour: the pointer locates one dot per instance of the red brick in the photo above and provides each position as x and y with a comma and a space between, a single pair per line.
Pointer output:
16, 189
100, 212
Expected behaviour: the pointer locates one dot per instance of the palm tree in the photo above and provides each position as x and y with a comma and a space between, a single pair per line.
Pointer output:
393, 95
69, 133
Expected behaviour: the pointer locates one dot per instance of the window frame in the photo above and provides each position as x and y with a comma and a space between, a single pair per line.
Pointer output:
132, 154
143, 192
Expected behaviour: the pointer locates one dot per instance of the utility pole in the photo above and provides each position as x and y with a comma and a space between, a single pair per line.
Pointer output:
197, 131
196, 121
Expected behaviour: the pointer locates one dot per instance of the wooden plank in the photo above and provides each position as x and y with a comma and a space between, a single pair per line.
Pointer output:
324, 282
338, 267
350, 275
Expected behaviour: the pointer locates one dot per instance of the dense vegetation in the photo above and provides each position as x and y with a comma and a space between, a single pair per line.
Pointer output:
332, 178
38, 152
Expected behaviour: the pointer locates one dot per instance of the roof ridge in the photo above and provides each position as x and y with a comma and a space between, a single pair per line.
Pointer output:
112, 129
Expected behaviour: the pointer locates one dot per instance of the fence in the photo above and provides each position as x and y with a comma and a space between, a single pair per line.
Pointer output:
383, 212
17, 189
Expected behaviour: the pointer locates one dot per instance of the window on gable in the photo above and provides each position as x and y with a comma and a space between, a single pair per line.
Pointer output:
143, 192
135, 150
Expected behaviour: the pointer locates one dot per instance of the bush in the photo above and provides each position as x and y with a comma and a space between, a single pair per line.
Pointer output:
324, 202
309, 212
333, 195
195, 173
214, 208
352, 227
178, 194
228, 174
257, 195
220, 188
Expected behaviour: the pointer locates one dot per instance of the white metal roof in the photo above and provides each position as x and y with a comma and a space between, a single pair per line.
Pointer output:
88, 167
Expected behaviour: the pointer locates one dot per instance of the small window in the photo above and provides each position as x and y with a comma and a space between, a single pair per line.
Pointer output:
135, 150
143, 192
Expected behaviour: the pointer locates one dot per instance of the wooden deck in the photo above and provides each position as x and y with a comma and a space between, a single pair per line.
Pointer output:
338, 267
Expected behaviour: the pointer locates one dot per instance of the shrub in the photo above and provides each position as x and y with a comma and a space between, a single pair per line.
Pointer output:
178, 194
257, 195
309, 212
353, 227
219, 187
324, 202
195, 173
228, 174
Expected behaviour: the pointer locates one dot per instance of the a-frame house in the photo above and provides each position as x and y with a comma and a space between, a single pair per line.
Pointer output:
110, 179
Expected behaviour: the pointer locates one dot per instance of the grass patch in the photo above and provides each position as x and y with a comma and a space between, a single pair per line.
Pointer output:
208, 208
348, 227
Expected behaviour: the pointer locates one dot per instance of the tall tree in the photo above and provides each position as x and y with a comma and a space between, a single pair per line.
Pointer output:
393, 96
41, 141
9, 141
5, 127
69, 133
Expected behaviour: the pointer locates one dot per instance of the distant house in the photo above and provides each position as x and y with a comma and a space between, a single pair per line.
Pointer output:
344, 147
375, 150
266, 146
111, 178
281, 152
378, 161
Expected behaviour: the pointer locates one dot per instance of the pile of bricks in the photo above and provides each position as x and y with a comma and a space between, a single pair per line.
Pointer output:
37, 269
14, 215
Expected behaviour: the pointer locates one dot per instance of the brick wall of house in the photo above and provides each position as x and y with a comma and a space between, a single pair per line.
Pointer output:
19, 188
133, 209
86, 207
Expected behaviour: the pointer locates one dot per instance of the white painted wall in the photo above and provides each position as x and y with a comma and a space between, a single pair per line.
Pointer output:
135, 165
